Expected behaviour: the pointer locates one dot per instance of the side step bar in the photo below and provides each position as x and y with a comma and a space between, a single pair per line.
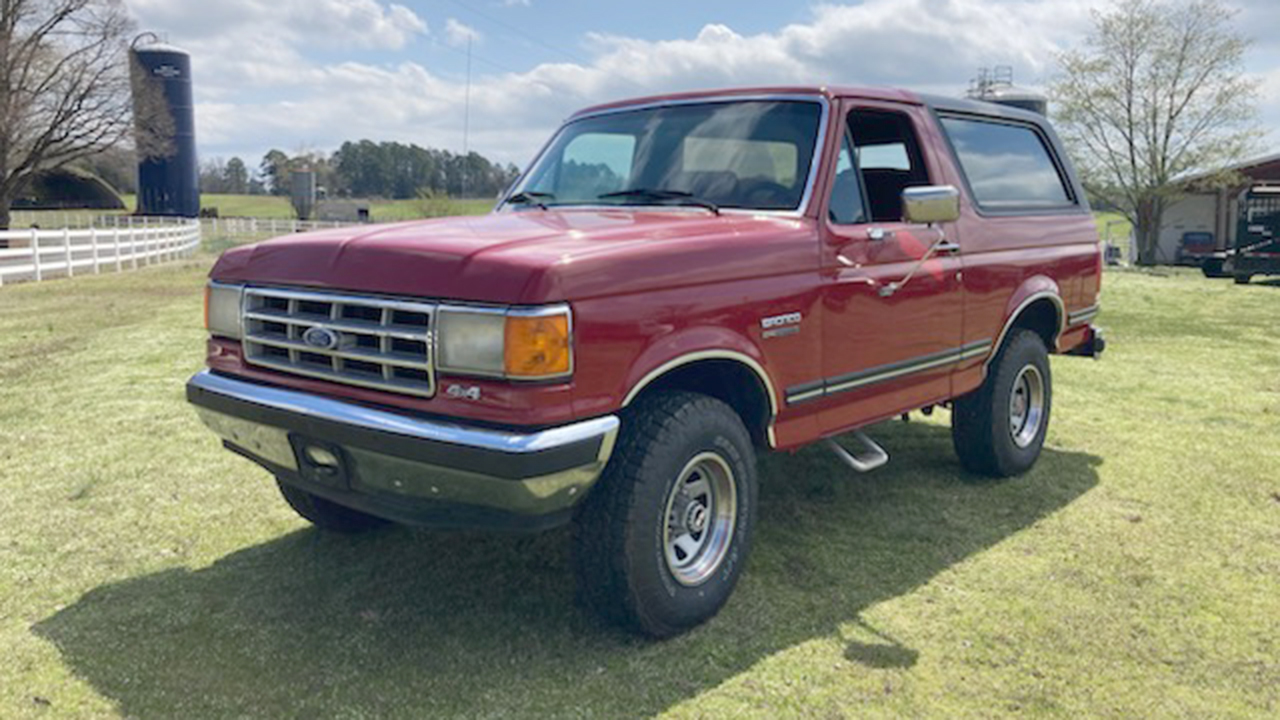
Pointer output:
871, 457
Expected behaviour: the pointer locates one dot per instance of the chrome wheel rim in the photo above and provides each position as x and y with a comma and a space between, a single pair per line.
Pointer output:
701, 512
1026, 406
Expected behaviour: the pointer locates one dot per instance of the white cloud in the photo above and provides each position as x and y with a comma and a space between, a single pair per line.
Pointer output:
513, 3
457, 34
369, 24
254, 94
898, 42
244, 46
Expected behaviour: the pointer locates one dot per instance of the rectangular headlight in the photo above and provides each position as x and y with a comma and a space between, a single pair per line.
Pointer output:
222, 310
470, 341
519, 344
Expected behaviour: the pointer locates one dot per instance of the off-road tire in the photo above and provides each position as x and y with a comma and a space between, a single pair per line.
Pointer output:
980, 421
620, 550
328, 515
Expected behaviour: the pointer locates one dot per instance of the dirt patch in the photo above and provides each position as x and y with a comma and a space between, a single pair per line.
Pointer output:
20, 361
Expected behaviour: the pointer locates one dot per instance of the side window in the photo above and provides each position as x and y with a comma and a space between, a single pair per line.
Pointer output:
846, 206
1009, 167
888, 156
594, 164
885, 156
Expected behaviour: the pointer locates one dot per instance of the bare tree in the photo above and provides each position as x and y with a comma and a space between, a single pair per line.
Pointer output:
64, 86
1157, 92
213, 175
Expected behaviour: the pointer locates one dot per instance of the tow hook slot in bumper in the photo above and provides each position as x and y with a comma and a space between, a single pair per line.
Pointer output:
321, 462
871, 457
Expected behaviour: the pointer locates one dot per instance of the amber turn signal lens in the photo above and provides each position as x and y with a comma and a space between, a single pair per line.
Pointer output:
537, 346
207, 291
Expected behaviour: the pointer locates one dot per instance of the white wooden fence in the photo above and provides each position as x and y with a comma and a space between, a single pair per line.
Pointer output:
234, 227
36, 255
241, 227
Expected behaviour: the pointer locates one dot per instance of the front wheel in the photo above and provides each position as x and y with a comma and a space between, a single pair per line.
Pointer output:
999, 429
661, 540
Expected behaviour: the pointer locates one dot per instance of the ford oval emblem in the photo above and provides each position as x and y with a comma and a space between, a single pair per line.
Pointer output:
320, 338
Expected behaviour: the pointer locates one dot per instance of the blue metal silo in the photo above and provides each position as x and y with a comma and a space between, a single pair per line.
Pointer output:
164, 119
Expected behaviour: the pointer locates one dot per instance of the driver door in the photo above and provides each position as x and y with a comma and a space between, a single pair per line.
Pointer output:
884, 353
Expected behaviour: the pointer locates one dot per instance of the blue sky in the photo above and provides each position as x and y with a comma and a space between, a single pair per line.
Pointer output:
308, 74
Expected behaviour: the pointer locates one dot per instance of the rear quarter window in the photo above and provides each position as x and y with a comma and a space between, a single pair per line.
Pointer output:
1009, 167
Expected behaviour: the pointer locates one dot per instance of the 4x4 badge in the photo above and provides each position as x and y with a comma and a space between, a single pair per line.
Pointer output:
462, 392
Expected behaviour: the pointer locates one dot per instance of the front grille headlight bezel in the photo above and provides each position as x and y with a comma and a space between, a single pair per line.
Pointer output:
511, 343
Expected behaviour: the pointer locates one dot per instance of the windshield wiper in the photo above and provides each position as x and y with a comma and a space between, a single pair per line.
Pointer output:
532, 197
680, 196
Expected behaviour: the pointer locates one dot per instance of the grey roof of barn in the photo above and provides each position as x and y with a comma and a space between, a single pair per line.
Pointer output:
1243, 167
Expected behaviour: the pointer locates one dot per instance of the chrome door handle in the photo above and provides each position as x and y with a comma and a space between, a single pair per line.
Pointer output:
943, 245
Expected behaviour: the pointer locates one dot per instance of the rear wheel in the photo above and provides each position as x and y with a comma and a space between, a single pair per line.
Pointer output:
998, 430
328, 515
661, 540
1242, 279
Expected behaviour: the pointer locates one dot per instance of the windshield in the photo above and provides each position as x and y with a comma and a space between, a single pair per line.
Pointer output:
749, 154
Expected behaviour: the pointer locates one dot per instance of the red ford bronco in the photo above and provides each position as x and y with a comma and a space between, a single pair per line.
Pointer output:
676, 284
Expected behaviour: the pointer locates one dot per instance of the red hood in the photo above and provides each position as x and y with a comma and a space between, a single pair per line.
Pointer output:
525, 257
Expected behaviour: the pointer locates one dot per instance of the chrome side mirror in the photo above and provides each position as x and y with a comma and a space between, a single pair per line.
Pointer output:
931, 204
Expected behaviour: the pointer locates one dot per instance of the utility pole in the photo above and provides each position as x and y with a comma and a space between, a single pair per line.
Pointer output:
466, 122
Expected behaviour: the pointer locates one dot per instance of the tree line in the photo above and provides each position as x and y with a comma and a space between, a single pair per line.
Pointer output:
364, 168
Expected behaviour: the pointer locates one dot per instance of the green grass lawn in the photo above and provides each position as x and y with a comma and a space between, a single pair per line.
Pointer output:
1135, 572
266, 207
269, 206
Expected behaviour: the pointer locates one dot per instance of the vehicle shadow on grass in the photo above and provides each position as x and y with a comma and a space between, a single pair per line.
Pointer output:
416, 623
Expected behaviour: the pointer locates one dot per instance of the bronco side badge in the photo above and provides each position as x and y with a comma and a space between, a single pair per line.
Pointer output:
781, 325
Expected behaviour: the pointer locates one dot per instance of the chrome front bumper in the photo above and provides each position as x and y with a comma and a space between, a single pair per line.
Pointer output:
408, 469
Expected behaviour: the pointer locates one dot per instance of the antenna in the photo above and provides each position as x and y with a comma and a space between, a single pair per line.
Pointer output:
466, 121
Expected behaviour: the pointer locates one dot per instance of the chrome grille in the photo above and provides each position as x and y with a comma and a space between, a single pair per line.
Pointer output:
371, 342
